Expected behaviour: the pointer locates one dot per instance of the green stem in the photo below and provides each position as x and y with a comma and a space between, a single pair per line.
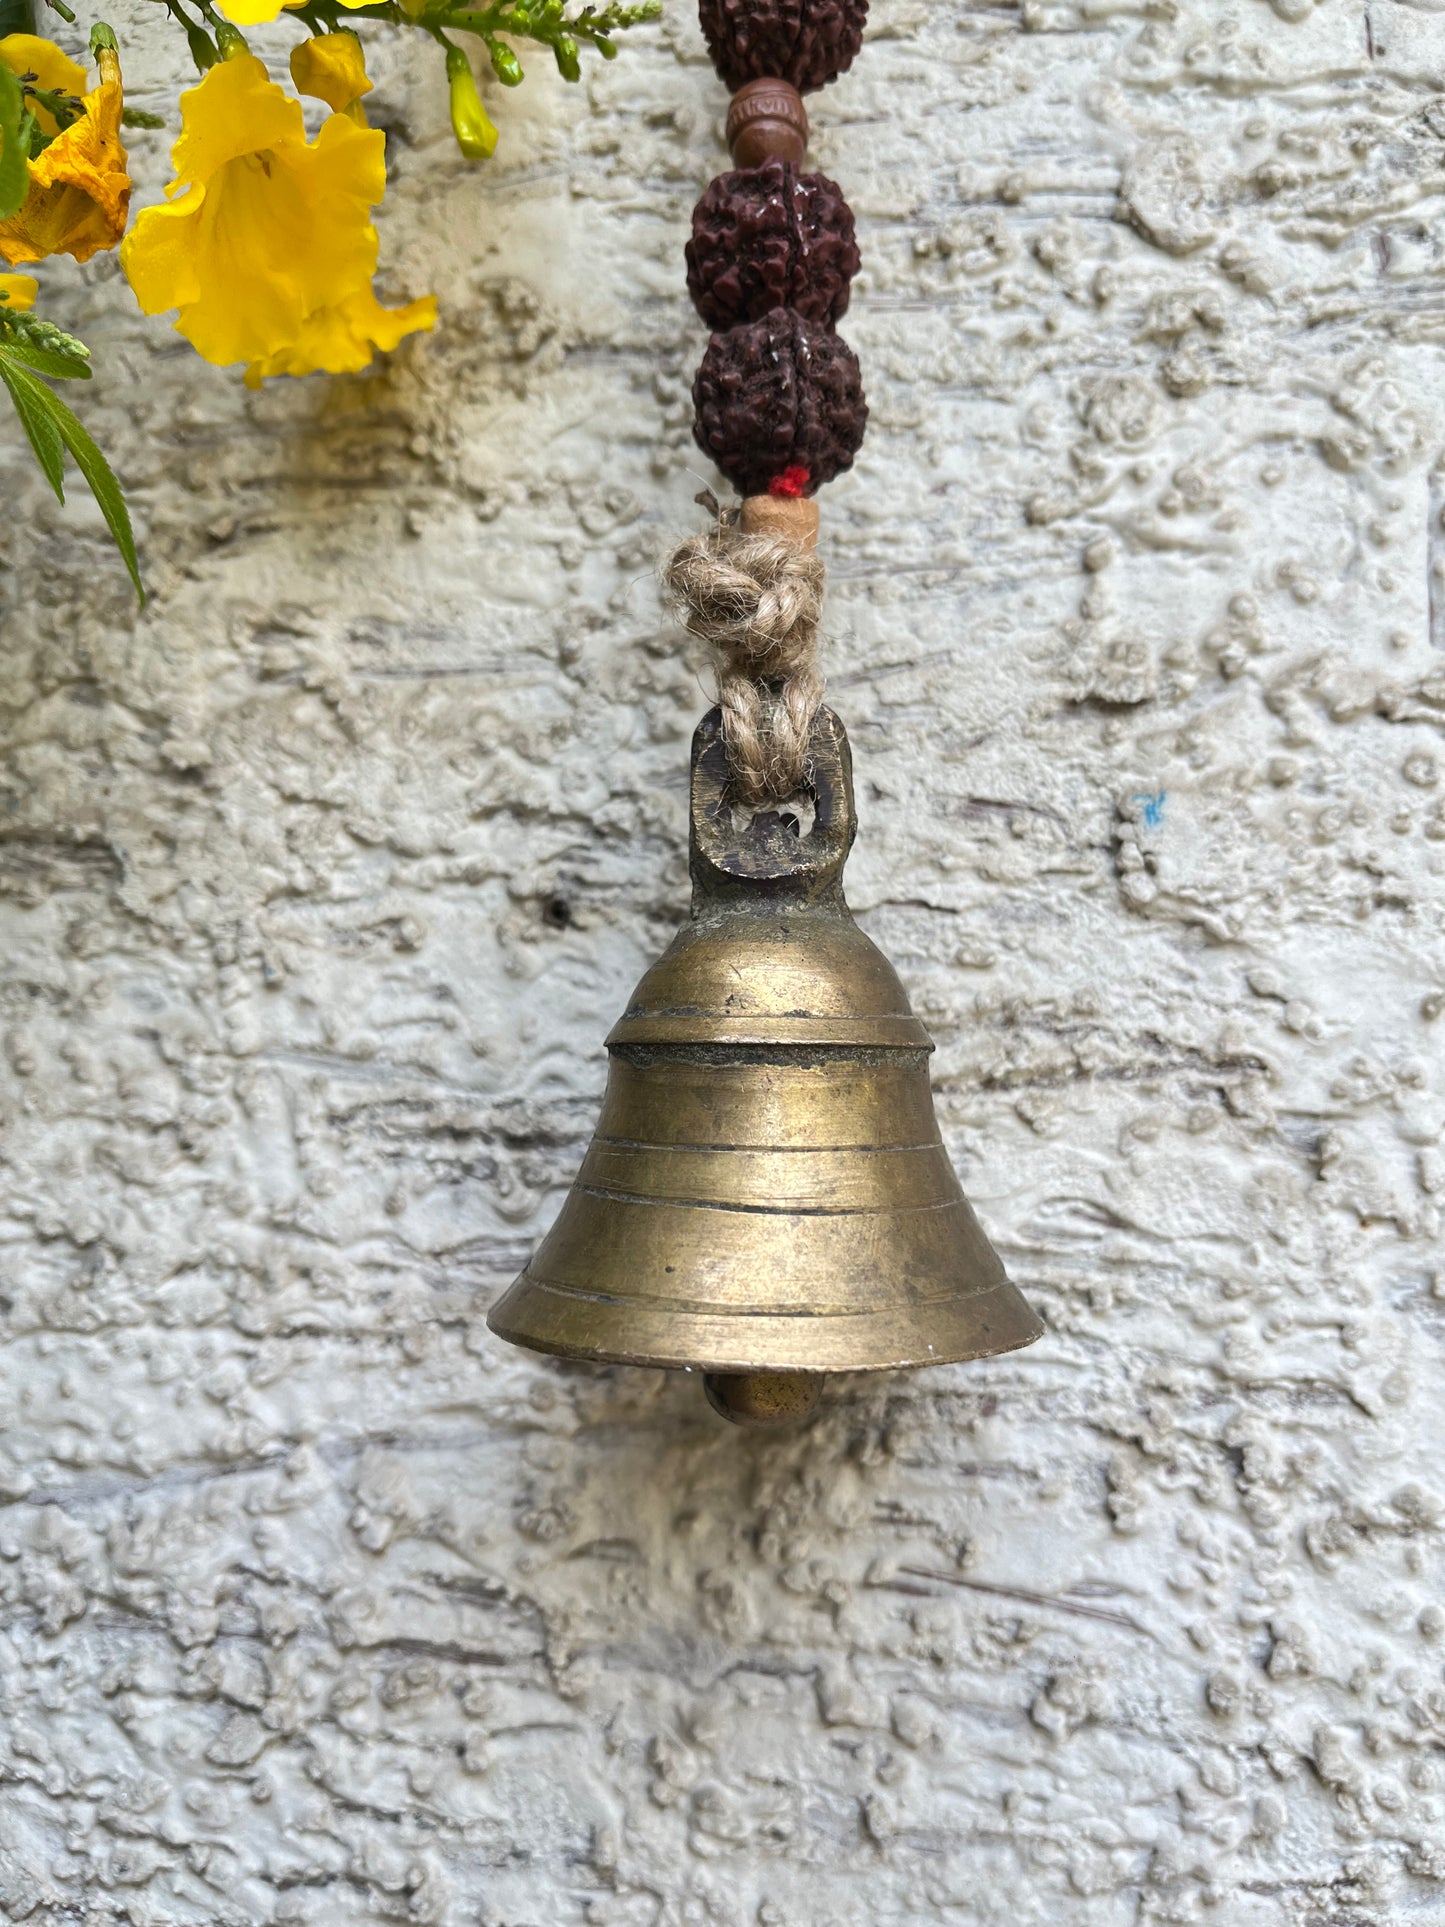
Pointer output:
328, 14
547, 27
178, 14
63, 108
501, 17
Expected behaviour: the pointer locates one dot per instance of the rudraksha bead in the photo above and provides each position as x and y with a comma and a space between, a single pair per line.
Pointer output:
769, 237
808, 42
767, 121
779, 395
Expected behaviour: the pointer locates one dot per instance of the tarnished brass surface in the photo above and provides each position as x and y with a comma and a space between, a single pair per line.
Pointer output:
767, 1192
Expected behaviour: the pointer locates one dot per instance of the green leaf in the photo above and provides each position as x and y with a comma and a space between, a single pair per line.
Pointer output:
29, 397
60, 363
14, 145
103, 486
42, 411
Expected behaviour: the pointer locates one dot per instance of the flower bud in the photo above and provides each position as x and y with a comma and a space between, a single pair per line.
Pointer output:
568, 65
476, 136
505, 64
203, 48
331, 67
106, 49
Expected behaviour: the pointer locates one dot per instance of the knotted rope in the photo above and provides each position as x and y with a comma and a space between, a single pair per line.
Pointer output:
757, 599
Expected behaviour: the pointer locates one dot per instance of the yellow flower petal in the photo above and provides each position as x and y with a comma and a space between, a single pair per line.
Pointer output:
255, 13
234, 110
342, 338
18, 292
330, 67
266, 247
54, 70
79, 184
158, 256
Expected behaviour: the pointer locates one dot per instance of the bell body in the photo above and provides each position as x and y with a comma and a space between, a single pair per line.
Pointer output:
767, 1190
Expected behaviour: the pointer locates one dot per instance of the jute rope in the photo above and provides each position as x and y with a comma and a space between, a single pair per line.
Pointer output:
757, 599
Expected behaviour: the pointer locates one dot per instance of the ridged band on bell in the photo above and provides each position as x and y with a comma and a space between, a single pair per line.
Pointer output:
767, 1189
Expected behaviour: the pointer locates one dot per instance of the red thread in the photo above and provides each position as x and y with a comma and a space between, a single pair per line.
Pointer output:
793, 482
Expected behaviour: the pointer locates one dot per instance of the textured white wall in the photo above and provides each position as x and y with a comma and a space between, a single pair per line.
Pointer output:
324, 880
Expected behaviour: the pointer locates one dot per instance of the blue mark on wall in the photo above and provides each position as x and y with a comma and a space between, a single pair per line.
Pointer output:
1153, 807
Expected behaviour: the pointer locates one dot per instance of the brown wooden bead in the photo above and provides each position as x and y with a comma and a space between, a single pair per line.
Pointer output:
793, 516
767, 121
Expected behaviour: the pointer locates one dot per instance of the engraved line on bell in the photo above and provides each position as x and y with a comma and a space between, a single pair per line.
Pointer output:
701, 1307
780, 1150
765, 1210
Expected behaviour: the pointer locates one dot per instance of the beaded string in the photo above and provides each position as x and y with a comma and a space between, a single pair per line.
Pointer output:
778, 401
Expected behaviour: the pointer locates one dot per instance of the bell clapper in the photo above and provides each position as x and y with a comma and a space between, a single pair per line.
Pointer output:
758, 1399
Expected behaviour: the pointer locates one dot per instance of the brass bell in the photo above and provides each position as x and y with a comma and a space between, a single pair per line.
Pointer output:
767, 1198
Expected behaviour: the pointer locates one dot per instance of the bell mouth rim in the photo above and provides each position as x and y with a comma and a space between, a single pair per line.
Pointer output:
788, 1342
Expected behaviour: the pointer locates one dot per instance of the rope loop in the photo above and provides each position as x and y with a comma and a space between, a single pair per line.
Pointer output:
758, 601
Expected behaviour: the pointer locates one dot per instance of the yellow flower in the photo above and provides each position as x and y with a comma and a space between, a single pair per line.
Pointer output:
251, 13
52, 69
79, 187
266, 233
18, 292
255, 13
331, 67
